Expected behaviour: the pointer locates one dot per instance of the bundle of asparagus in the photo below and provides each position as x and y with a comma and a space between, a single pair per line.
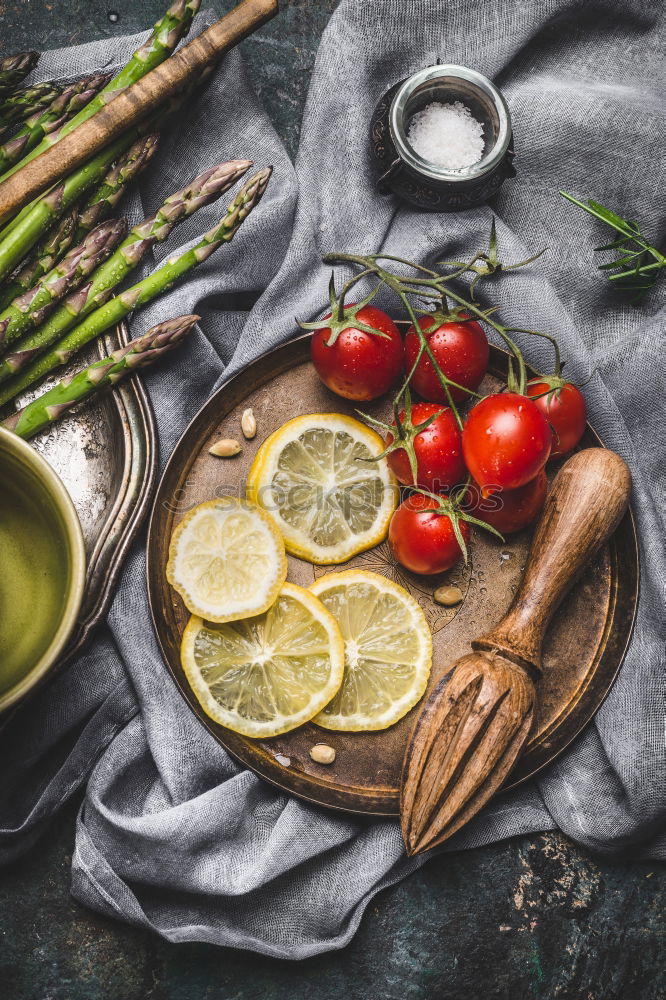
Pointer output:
63, 258
164, 38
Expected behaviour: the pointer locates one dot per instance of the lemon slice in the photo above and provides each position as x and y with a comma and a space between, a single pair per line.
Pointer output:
266, 675
227, 560
388, 650
316, 477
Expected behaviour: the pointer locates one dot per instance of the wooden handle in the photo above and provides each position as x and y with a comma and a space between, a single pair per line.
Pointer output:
587, 500
132, 105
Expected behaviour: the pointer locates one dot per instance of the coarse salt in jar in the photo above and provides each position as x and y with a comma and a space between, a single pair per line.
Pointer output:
442, 139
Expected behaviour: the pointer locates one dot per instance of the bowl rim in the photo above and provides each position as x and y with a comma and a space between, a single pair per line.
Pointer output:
57, 491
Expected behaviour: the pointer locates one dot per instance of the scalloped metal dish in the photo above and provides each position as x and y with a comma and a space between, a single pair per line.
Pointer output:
106, 455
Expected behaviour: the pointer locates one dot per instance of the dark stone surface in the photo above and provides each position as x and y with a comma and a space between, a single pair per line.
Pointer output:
529, 918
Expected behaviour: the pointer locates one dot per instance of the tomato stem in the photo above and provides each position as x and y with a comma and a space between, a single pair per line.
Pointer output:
438, 285
556, 347
404, 431
433, 287
343, 317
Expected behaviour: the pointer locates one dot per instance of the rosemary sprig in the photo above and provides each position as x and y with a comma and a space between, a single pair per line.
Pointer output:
638, 266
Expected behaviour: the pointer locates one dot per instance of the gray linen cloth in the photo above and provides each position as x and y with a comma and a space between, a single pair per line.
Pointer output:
173, 835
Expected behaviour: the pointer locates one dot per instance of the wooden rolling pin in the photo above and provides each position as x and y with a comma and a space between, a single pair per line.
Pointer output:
477, 720
132, 105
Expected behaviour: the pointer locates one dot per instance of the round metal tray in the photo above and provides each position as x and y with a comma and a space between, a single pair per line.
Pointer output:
583, 650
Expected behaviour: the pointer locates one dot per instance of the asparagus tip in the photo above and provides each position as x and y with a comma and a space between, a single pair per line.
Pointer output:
159, 339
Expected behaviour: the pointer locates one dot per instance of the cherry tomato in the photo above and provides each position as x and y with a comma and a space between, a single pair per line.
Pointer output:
423, 540
460, 349
564, 409
437, 448
512, 510
506, 442
359, 365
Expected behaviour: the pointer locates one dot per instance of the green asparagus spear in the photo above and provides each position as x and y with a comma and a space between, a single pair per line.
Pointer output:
140, 294
71, 229
202, 190
164, 38
15, 68
154, 123
29, 226
27, 102
143, 351
47, 122
106, 196
29, 309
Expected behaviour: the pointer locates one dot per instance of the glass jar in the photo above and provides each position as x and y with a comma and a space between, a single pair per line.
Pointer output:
428, 185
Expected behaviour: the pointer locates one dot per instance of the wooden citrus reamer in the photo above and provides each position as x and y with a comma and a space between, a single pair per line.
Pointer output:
478, 719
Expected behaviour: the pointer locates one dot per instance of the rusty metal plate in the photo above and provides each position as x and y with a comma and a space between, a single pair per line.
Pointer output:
583, 650
106, 454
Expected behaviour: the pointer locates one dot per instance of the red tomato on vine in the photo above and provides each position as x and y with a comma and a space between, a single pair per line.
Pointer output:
460, 348
359, 356
427, 451
506, 441
510, 511
423, 539
563, 405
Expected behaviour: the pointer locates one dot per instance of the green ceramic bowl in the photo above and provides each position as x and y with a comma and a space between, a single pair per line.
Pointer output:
42, 568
